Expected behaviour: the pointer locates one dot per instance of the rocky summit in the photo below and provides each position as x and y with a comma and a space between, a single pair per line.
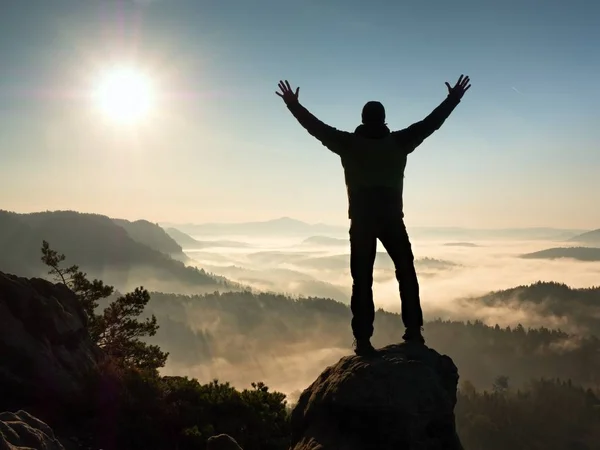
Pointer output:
47, 353
400, 398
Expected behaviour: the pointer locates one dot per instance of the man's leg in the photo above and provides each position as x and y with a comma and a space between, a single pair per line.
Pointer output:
363, 247
394, 238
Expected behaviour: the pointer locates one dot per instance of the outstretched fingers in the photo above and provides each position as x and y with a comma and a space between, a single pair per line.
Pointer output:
462, 85
283, 88
465, 85
286, 92
460, 80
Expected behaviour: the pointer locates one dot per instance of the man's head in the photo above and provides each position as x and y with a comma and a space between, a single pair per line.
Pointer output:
373, 113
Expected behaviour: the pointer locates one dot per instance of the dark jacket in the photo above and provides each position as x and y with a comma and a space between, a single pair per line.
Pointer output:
374, 158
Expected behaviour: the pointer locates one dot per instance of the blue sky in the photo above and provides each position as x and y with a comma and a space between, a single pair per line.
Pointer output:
522, 149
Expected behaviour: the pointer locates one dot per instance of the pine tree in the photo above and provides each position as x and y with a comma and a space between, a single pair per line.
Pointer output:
118, 330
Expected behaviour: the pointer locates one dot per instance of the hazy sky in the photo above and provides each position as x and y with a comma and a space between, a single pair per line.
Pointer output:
521, 150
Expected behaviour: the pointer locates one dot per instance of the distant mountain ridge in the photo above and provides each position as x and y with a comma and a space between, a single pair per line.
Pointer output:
576, 308
468, 234
340, 262
542, 290
286, 226
589, 238
152, 235
188, 242
578, 253
460, 244
99, 246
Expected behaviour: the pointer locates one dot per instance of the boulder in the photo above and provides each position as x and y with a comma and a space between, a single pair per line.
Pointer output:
400, 398
22, 431
46, 354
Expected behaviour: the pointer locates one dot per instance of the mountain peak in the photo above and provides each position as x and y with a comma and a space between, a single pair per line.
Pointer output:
288, 220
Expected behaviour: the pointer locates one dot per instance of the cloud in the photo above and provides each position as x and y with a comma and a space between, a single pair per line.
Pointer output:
447, 292
490, 266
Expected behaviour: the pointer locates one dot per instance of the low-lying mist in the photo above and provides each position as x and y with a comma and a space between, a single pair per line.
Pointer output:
447, 273
243, 337
232, 342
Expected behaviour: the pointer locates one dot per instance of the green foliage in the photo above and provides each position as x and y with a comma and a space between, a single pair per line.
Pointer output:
546, 414
268, 423
118, 330
88, 292
177, 412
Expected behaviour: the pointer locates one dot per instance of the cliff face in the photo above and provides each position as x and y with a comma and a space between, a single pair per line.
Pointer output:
46, 353
401, 398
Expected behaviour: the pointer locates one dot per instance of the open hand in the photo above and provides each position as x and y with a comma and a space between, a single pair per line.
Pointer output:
287, 94
461, 86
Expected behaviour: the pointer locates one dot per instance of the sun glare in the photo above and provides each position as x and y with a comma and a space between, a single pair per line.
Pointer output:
125, 95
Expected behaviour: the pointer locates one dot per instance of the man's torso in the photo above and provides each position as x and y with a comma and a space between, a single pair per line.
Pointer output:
374, 174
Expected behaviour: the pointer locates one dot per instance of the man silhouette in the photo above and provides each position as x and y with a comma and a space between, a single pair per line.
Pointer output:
374, 159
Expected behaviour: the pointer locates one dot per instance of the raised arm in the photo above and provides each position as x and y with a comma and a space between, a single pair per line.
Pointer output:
412, 136
330, 137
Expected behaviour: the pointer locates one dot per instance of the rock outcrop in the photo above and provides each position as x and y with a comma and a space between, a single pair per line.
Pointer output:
22, 431
46, 354
401, 398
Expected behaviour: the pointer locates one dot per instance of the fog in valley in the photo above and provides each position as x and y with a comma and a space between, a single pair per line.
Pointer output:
448, 272
286, 349
268, 301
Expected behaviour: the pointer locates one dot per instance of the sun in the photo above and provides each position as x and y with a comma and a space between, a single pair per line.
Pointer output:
124, 94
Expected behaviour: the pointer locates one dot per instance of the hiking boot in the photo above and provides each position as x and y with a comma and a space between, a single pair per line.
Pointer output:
413, 335
363, 347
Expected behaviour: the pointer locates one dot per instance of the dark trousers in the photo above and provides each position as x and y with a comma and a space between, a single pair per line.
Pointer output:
389, 228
